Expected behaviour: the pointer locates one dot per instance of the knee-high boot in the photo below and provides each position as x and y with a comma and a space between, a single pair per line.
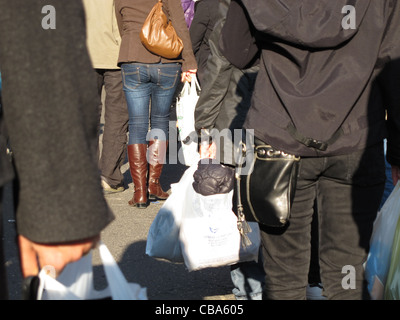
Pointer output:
157, 155
138, 169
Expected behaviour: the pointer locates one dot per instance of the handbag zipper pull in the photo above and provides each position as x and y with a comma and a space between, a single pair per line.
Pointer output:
244, 229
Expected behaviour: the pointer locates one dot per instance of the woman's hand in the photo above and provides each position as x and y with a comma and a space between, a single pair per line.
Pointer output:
208, 151
187, 75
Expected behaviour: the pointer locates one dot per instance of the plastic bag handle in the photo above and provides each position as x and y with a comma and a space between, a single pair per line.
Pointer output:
190, 87
195, 82
194, 85
117, 283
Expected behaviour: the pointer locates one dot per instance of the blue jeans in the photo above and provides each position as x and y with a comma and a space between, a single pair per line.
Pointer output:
144, 83
248, 279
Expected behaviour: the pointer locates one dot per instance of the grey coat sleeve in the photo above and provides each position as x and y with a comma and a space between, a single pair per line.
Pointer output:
50, 105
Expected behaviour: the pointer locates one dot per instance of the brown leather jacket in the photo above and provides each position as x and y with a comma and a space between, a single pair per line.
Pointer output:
131, 15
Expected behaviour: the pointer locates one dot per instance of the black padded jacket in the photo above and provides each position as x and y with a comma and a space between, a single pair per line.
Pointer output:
329, 73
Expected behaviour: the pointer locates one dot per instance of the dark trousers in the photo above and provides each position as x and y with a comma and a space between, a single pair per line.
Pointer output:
348, 190
6, 174
3, 278
115, 126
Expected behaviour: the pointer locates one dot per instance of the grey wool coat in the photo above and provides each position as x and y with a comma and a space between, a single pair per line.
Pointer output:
50, 105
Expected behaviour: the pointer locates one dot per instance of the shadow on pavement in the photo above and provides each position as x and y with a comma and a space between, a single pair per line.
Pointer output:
168, 281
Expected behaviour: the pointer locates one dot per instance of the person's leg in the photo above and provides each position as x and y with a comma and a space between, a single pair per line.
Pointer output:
137, 88
248, 279
314, 288
349, 195
7, 174
100, 83
286, 251
314, 275
166, 78
3, 277
114, 131
156, 157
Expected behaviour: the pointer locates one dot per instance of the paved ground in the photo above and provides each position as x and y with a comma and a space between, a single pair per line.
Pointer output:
126, 239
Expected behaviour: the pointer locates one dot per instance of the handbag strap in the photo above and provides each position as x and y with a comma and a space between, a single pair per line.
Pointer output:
242, 224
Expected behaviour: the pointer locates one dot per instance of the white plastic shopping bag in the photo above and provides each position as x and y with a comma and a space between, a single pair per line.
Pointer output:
163, 237
185, 107
209, 234
76, 281
392, 288
381, 243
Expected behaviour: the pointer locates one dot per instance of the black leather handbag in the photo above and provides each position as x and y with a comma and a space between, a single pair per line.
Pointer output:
265, 194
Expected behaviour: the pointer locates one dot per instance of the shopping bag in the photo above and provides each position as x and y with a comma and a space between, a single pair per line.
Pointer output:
185, 106
381, 244
163, 236
392, 288
76, 281
210, 236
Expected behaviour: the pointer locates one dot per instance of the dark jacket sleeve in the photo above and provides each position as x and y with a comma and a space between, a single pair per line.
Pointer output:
50, 105
238, 42
199, 25
216, 83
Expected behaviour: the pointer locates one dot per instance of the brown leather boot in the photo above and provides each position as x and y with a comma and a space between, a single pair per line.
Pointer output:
138, 168
157, 154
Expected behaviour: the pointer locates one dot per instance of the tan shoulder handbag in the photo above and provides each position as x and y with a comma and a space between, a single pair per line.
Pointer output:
159, 36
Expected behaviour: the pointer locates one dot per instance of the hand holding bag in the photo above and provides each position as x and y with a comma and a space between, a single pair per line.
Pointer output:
211, 234
159, 36
201, 231
76, 282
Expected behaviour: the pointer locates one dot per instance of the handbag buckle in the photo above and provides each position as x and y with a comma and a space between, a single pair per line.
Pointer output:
317, 144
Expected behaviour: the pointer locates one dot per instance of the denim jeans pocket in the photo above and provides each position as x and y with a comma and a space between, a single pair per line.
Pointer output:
131, 78
168, 76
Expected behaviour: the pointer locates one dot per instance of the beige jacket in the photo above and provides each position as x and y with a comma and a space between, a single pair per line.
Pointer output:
131, 15
103, 38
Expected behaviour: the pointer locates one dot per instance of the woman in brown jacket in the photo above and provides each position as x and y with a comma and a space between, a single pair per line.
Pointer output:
146, 77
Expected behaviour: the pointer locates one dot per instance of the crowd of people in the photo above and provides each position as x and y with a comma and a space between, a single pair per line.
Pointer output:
309, 78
